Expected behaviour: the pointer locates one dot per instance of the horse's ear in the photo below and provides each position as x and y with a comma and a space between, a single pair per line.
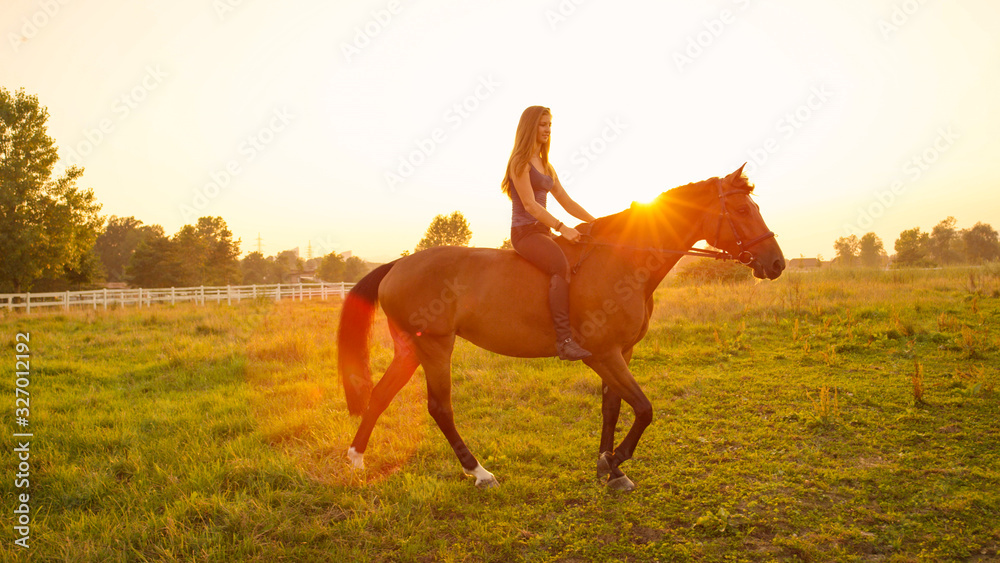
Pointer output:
739, 172
736, 178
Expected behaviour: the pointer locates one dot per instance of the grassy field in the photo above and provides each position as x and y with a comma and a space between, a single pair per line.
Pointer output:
832, 416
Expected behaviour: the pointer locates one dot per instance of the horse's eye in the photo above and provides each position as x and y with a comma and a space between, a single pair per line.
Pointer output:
744, 210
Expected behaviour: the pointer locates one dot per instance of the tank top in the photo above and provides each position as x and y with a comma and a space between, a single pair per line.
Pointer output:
541, 185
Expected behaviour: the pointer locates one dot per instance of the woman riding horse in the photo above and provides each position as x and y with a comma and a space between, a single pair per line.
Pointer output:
529, 178
495, 299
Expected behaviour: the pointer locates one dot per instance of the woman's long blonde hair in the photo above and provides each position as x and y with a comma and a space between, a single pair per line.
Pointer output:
524, 142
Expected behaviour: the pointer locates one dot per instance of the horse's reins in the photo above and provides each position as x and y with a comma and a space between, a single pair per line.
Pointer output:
744, 257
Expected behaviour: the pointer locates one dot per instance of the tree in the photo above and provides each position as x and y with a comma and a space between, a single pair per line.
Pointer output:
222, 265
155, 262
870, 251
202, 254
207, 253
190, 256
47, 226
847, 249
944, 243
85, 272
446, 231
912, 248
118, 242
259, 270
981, 243
289, 261
331, 269
354, 269
312, 264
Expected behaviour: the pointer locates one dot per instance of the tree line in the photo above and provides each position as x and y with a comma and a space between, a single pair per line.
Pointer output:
127, 251
204, 254
944, 245
53, 238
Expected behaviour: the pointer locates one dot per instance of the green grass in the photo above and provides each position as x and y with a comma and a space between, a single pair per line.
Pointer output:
788, 427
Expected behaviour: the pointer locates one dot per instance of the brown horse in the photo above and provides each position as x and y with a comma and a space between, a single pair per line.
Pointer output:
498, 301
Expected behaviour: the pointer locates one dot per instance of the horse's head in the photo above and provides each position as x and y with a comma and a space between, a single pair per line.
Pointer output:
737, 228
718, 211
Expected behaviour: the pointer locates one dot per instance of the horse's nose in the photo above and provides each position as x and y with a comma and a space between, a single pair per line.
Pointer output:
776, 268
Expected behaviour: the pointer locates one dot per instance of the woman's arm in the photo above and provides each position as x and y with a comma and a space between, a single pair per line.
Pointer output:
522, 185
567, 203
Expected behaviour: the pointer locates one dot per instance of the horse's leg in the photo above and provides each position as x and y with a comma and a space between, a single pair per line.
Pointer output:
400, 370
435, 356
613, 370
611, 405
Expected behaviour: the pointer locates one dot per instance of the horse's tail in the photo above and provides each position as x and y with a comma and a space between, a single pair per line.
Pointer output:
352, 339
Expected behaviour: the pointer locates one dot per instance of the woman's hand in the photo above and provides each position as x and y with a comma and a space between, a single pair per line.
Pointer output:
569, 233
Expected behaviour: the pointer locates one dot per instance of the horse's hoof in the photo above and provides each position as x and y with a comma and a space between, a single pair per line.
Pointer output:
484, 479
622, 483
357, 460
603, 466
487, 483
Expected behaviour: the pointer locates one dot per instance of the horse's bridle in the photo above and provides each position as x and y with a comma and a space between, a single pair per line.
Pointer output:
744, 256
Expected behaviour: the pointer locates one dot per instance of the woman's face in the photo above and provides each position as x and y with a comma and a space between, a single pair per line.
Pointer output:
544, 129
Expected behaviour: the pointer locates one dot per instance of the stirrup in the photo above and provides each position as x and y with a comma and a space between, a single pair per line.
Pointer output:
569, 350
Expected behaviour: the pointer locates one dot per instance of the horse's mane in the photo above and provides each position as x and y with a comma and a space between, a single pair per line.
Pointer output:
691, 191
672, 201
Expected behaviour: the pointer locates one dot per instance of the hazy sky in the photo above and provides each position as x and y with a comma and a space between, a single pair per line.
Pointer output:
350, 125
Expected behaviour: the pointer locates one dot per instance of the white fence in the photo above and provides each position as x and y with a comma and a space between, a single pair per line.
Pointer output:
147, 297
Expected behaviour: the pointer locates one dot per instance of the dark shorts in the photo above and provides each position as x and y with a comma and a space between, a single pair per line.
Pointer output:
535, 243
